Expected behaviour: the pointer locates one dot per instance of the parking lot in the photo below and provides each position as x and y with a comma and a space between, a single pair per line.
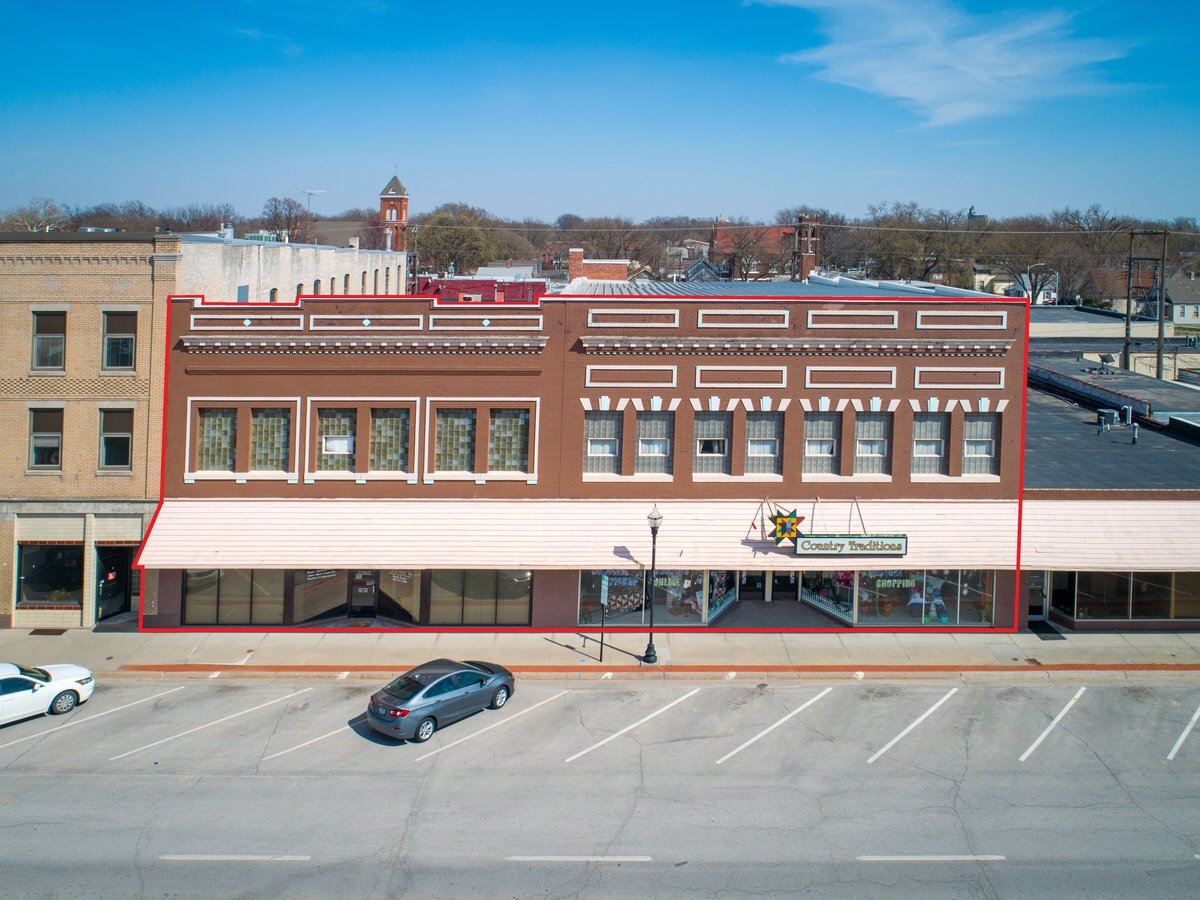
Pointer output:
970, 784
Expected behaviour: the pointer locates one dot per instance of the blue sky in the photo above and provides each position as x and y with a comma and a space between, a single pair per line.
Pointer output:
632, 108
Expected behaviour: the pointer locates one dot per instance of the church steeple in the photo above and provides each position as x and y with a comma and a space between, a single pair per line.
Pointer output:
393, 209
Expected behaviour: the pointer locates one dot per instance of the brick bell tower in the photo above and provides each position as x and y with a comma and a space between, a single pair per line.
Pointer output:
393, 209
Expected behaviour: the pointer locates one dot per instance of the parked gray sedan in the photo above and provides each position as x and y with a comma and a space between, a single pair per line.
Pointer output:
437, 693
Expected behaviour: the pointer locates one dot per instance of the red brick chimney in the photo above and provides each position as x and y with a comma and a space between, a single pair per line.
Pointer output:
574, 263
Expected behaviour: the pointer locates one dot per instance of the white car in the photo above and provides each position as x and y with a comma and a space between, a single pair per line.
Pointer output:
34, 691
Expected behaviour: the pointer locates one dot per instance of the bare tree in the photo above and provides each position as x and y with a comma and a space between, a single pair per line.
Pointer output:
40, 214
286, 217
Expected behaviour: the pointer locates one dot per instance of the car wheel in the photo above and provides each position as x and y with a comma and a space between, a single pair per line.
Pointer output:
64, 703
425, 731
499, 698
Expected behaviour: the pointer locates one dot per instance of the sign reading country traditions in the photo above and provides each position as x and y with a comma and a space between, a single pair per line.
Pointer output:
852, 545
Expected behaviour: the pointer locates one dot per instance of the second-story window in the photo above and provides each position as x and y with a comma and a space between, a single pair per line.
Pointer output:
931, 440
821, 430
270, 440
116, 438
49, 340
120, 340
335, 440
655, 436
217, 441
872, 443
602, 442
981, 444
455, 439
713, 431
508, 440
389, 440
45, 438
764, 440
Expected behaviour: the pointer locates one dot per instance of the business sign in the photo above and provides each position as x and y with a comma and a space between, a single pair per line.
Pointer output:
852, 545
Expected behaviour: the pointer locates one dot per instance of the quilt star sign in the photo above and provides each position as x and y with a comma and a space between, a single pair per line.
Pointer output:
787, 526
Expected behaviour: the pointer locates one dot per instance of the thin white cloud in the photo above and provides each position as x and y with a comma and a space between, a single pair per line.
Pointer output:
948, 64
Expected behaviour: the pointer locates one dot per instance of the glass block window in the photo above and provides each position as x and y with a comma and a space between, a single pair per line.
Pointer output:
981, 444
655, 435
455, 450
270, 437
508, 440
764, 443
120, 338
713, 431
45, 438
116, 438
873, 443
335, 439
217, 440
49, 340
931, 442
821, 431
389, 440
602, 442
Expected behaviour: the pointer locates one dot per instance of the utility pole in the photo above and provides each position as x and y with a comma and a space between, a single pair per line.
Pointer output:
1162, 308
1126, 360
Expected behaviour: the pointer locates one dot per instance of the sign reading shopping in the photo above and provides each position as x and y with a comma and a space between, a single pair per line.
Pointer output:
852, 545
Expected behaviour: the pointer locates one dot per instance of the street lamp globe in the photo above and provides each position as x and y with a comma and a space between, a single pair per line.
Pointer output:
655, 518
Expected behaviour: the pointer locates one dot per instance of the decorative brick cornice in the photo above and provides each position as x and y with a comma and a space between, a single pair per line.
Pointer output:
361, 345
601, 345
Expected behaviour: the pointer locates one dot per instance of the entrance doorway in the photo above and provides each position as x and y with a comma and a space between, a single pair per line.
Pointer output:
785, 586
1036, 596
364, 593
752, 586
114, 589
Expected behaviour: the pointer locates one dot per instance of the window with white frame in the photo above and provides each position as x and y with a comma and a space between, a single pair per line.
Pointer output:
120, 340
872, 443
216, 442
655, 434
931, 442
712, 433
764, 443
602, 442
45, 438
981, 439
335, 439
116, 438
821, 431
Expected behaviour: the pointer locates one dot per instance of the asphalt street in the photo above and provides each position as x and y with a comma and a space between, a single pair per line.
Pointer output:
209, 787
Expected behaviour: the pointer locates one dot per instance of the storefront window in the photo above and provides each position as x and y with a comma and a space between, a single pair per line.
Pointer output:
200, 596
234, 603
679, 594
1187, 595
1062, 592
831, 591
1151, 595
51, 575
622, 588
722, 591
977, 597
480, 597
318, 593
895, 597
400, 594
1103, 595
267, 589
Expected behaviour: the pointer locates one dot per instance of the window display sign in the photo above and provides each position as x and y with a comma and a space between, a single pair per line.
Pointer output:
852, 545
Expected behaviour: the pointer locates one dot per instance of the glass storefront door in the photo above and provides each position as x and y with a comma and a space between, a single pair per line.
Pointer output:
113, 594
364, 593
785, 586
1036, 596
752, 586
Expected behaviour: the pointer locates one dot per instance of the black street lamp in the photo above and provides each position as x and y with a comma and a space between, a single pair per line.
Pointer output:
655, 519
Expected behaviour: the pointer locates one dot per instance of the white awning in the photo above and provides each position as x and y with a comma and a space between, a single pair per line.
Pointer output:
1111, 535
563, 534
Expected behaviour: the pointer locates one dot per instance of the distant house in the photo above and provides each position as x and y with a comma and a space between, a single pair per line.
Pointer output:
756, 252
1183, 299
1110, 287
703, 269
1020, 288
479, 289
990, 280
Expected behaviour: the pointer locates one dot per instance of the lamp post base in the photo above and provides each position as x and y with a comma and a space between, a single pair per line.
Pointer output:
650, 657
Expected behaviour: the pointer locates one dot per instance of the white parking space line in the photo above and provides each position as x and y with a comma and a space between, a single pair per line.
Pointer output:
487, 728
949, 858
213, 857
210, 724
768, 730
584, 859
1183, 737
107, 712
613, 737
307, 743
925, 715
1050, 727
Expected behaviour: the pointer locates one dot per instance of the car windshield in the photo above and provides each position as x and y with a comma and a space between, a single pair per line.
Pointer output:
35, 674
404, 688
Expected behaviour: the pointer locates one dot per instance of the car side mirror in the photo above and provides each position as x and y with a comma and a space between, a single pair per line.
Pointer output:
37, 687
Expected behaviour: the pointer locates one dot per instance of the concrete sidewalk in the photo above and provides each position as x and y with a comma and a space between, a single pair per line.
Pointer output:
689, 655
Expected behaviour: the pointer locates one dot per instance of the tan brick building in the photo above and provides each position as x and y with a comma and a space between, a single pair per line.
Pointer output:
81, 369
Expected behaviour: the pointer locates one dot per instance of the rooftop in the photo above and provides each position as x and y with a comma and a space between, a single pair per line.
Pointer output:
815, 286
1113, 387
1063, 451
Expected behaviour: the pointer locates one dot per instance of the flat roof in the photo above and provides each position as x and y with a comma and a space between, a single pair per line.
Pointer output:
1064, 451
82, 237
1111, 386
1072, 314
814, 286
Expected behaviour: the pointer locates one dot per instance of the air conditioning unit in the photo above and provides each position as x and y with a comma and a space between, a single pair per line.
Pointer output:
1106, 418
470, 298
